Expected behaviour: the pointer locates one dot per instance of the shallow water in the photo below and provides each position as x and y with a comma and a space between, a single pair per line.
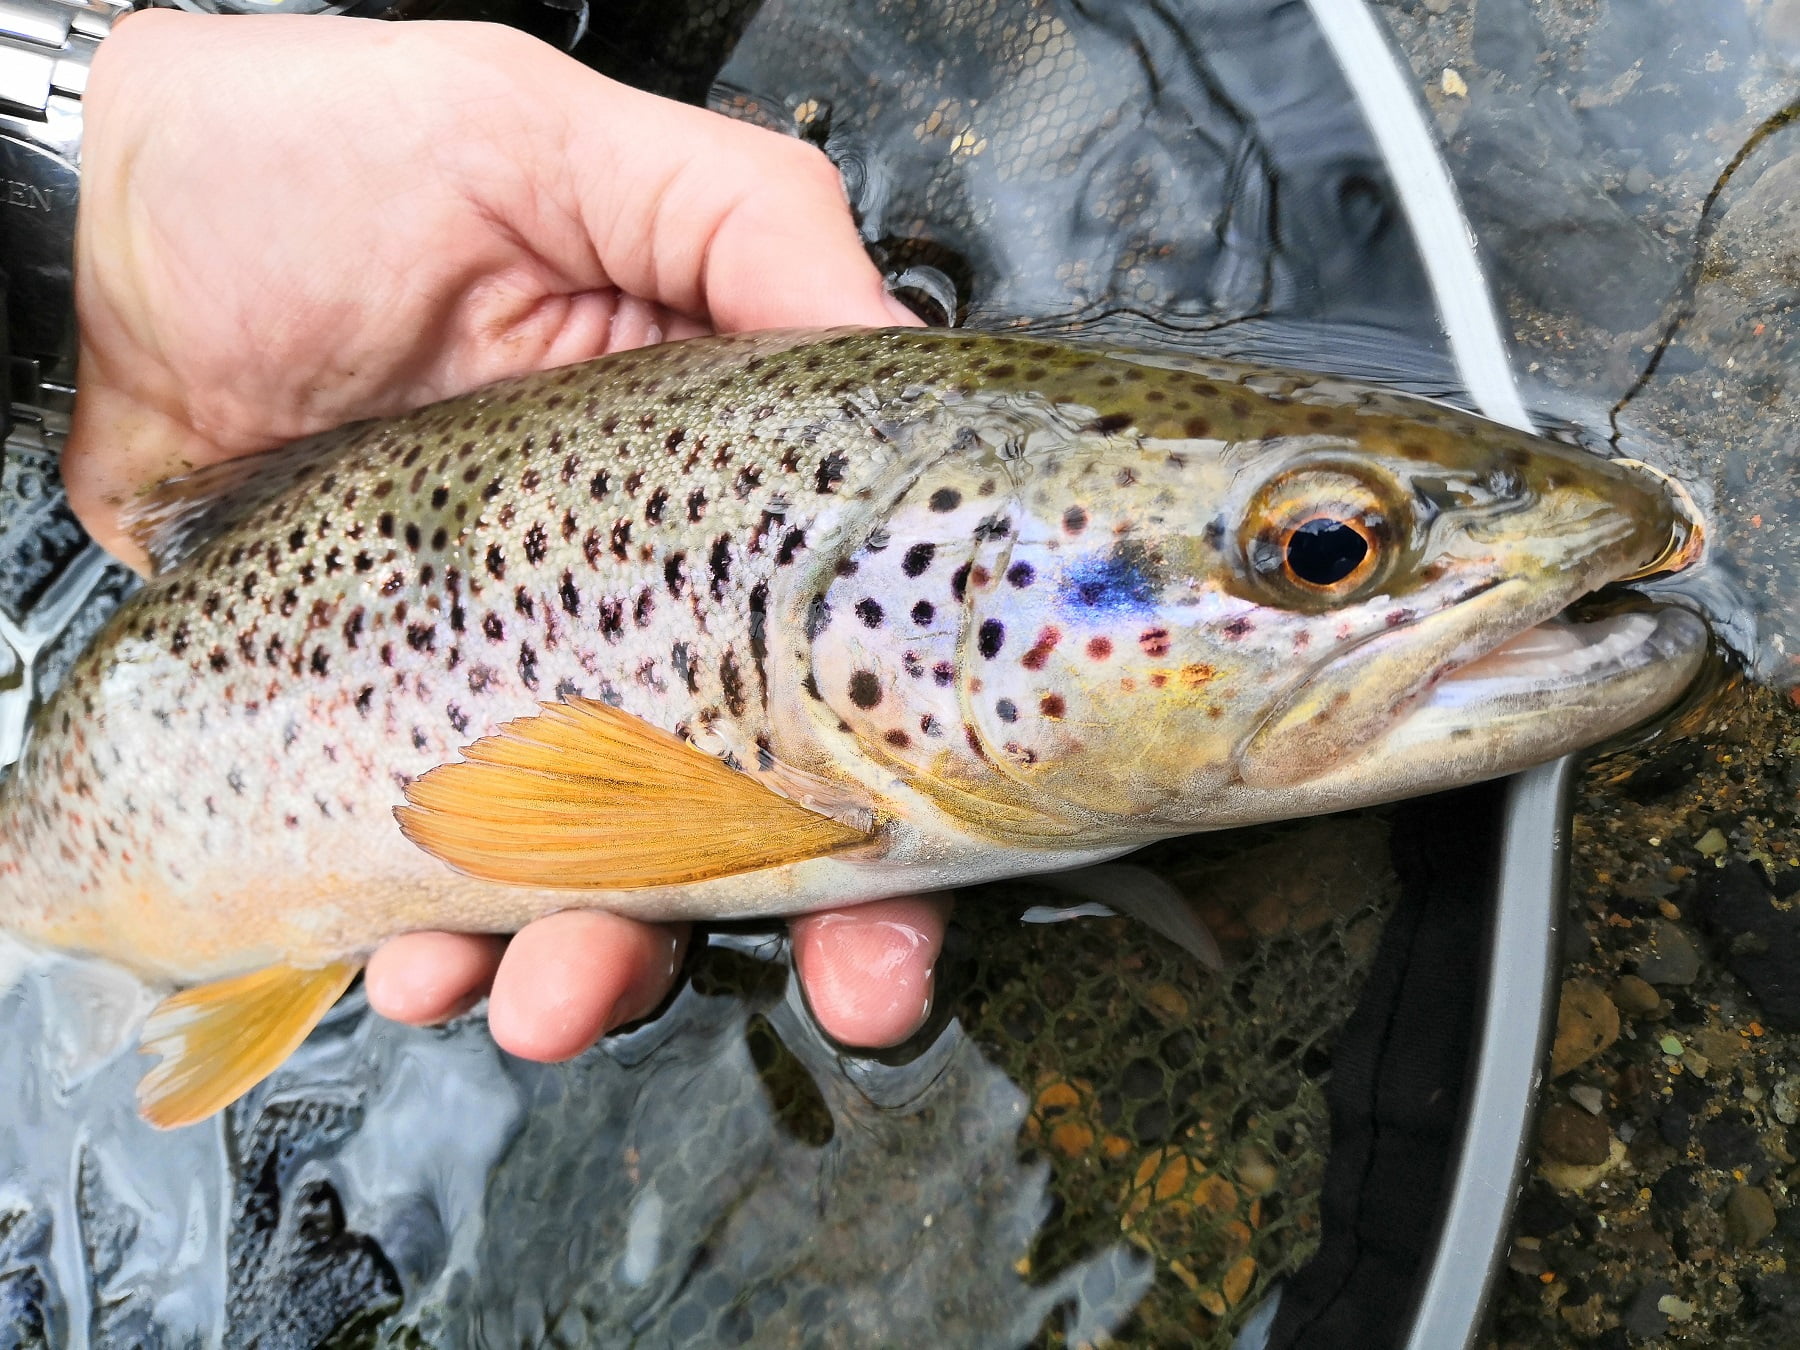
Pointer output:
1094, 1133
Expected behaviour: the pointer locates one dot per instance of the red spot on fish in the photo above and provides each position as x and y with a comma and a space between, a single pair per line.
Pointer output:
1399, 618
1098, 649
1051, 705
1154, 641
1238, 627
1041, 649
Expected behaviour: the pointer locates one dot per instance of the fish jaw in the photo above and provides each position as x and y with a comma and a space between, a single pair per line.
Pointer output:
1550, 690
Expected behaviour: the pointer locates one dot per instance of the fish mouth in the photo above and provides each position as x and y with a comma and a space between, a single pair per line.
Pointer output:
1544, 684
1571, 651
1566, 684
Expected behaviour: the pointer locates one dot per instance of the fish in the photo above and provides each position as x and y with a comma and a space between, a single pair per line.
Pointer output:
762, 624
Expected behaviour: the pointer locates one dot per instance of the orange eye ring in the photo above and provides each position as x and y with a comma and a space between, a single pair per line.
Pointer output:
1328, 554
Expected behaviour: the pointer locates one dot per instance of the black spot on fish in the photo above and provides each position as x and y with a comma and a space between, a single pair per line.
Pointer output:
865, 689
612, 619
523, 603
653, 508
719, 565
571, 597
385, 524
759, 642
496, 563
687, 669
439, 538
917, 559
990, 637
1075, 520
421, 637
791, 543
942, 674
528, 663
1021, 575
459, 720
992, 527
731, 682
599, 485
869, 612
1006, 710
818, 617
537, 544
621, 540
494, 628
673, 576
696, 506
1108, 423
321, 663
644, 608
945, 499
923, 613
959, 581
365, 698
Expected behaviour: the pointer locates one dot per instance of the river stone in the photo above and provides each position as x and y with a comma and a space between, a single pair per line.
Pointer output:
1586, 1023
1635, 996
1671, 958
1571, 1135
1749, 1216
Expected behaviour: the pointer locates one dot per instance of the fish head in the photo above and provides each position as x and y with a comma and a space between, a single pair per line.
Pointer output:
1163, 633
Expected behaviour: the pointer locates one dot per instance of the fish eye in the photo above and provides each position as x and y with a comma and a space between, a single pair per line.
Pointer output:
1326, 552
1323, 534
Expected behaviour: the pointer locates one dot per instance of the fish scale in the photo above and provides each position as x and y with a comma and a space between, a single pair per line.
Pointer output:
760, 624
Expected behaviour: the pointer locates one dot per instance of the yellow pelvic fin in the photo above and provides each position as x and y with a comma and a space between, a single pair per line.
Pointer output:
585, 797
219, 1040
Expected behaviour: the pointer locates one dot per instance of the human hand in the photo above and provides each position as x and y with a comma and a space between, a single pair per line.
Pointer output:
288, 223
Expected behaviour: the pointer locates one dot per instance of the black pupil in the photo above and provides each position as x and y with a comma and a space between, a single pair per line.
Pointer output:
1323, 552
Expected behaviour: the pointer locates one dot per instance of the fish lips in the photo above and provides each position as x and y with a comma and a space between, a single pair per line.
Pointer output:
1488, 687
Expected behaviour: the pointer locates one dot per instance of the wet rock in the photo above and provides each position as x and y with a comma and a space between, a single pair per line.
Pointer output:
1635, 996
1644, 1319
24, 1295
1586, 1023
1571, 1135
1732, 1144
1588, 1097
1671, 957
1749, 1216
1761, 943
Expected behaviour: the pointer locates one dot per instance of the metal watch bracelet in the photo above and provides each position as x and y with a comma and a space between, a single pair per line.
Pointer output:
46, 48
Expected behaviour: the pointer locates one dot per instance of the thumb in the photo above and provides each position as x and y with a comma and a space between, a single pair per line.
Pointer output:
716, 217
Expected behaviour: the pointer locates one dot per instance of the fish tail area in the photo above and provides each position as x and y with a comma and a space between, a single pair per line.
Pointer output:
219, 1040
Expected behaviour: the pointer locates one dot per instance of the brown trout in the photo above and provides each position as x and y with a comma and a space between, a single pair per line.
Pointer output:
757, 625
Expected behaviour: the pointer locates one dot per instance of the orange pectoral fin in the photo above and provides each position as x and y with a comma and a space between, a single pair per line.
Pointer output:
583, 796
219, 1040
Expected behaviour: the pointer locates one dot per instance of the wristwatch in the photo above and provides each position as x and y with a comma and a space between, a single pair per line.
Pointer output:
55, 586
46, 47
